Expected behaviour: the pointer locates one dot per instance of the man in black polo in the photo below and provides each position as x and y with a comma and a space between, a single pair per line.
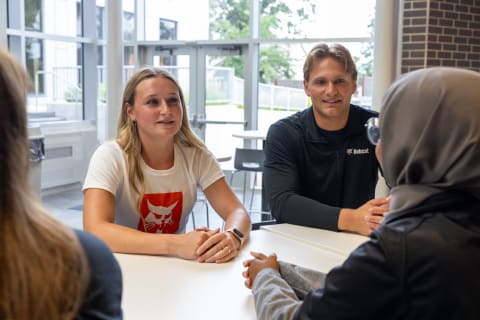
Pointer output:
320, 169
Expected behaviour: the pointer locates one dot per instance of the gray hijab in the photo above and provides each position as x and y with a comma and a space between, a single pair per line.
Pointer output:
430, 135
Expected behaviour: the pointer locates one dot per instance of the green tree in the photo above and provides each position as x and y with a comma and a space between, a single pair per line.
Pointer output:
34, 47
229, 19
365, 65
33, 15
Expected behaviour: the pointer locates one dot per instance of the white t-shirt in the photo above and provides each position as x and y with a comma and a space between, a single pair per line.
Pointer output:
169, 194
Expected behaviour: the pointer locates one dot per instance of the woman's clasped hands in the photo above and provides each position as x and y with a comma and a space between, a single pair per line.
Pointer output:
209, 245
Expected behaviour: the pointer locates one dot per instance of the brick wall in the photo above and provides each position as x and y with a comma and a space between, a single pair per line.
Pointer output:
441, 33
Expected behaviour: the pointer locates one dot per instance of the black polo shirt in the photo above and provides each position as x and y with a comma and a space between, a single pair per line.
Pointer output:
310, 174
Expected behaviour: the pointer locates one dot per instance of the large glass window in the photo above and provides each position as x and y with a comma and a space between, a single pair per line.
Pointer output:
128, 26
100, 19
168, 29
33, 15
192, 18
79, 19
57, 78
229, 19
128, 23
62, 17
35, 64
128, 61
301, 19
206, 44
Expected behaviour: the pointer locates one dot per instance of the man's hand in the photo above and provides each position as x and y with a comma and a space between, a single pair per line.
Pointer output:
366, 218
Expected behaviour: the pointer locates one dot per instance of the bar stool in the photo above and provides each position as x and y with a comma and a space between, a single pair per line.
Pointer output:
247, 160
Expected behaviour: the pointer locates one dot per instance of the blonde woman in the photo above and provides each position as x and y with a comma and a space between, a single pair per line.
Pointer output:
47, 270
141, 188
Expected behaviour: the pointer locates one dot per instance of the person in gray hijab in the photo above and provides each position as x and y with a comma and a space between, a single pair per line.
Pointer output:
423, 261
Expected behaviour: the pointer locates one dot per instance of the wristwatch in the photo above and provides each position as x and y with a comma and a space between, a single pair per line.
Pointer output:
237, 234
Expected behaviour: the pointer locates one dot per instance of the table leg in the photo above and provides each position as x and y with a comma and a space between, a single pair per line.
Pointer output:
265, 207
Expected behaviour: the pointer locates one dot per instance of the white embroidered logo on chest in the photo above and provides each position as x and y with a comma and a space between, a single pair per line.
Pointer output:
353, 151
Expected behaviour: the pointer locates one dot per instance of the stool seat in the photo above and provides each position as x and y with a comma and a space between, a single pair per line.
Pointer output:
247, 160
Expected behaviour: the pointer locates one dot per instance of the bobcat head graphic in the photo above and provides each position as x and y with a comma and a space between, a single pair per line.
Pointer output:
158, 217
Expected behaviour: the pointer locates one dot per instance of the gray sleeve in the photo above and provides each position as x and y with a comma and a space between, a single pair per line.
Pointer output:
274, 298
301, 280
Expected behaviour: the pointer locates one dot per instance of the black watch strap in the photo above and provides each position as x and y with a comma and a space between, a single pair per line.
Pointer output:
237, 234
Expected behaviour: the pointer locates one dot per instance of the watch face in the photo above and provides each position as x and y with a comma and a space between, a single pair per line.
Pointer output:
238, 232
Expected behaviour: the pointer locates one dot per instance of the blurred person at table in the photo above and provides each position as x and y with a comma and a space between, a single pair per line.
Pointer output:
423, 261
320, 169
140, 188
48, 271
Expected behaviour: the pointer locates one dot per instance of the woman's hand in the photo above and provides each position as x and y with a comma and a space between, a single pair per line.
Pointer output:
219, 248
187, 244
254, 266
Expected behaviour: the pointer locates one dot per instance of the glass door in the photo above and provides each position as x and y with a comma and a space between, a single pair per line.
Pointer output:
175, 59
222, 105
214, 93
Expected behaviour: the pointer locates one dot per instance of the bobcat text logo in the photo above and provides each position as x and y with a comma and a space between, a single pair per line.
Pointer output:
353, 151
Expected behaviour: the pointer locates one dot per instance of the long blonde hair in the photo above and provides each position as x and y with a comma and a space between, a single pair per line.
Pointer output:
128, 138
44, 272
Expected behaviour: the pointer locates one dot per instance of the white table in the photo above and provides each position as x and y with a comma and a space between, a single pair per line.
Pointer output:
223, 158
339, 242
250, 134
159, 287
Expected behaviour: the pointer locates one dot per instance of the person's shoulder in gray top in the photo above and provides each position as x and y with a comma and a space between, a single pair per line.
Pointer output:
104, 294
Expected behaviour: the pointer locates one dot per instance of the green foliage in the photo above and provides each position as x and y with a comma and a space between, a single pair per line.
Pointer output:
365, 66
230, 20
73, 94
102, 92
234, 62
32, 15
275, 61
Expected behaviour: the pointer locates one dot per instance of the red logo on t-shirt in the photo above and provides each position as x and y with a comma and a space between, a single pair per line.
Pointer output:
160, 212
